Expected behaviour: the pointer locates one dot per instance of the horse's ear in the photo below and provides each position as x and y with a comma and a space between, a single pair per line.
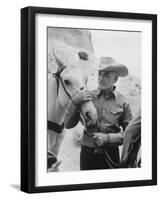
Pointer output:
83, 55
58, 60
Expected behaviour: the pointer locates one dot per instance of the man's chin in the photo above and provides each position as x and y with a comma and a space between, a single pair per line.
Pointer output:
101, 87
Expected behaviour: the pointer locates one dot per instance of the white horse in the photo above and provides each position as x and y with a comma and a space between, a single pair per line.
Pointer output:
61, 87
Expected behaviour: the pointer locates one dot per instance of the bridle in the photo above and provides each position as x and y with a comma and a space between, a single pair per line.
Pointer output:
58, 78
52, 125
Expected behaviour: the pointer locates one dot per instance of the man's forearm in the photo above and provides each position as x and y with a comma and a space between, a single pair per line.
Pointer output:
72, 116
115, 139
112, 139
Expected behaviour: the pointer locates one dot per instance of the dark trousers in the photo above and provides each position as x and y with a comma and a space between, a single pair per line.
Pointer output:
91, 160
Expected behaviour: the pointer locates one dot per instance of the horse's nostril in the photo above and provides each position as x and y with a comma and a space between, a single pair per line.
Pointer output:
88, 116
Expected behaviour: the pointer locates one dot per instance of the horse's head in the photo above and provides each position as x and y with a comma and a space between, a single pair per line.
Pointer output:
74, 77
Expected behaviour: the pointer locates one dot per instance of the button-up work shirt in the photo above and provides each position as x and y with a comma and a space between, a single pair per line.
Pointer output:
113, 112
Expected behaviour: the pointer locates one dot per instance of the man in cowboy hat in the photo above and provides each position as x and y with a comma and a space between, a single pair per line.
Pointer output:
99, 150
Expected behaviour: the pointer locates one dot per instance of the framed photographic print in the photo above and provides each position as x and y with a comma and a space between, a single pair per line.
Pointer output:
88, 99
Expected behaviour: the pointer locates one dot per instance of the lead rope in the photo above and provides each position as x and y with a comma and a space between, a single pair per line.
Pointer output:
109, 161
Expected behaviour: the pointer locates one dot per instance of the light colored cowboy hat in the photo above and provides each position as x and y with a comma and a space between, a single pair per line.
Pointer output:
110, 65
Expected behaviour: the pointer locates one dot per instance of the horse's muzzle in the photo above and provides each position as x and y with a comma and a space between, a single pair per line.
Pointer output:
89, 113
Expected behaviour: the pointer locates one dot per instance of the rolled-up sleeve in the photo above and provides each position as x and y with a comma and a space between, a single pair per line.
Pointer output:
72, 116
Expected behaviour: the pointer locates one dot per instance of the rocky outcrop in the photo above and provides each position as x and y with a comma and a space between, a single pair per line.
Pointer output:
77, 38
68, 43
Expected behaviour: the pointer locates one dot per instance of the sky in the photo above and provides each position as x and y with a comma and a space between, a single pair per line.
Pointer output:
124, 47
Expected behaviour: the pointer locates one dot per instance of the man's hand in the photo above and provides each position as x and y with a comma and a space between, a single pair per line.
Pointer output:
110, 138
101, 138
81, 97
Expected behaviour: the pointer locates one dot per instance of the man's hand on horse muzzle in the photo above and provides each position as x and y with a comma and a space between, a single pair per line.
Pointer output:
81, 97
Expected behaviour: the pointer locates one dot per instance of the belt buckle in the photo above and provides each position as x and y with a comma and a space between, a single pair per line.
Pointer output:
98, 150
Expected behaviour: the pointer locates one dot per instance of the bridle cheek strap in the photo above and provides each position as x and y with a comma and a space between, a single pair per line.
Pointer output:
58, 77
52, 125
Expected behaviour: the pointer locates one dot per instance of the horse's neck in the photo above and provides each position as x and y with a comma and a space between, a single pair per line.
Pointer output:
55, 110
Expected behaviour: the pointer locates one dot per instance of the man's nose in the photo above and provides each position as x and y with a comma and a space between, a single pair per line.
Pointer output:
100, 77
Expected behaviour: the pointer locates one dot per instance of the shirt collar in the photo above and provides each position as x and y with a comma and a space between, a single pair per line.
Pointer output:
115, 92
97, 92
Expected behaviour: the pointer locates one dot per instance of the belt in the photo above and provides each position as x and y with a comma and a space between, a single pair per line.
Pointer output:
93, 150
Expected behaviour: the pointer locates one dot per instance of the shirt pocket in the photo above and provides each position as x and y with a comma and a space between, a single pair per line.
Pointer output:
116, 112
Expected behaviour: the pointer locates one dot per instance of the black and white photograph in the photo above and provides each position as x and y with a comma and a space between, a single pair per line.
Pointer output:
89, 91
94, 99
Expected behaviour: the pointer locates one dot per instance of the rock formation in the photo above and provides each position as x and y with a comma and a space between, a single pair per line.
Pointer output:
68, 43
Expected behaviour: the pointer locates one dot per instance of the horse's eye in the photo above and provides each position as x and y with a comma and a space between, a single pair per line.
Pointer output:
67, 82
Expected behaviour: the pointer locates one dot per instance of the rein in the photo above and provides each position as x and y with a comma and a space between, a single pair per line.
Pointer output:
130, 156
129, 161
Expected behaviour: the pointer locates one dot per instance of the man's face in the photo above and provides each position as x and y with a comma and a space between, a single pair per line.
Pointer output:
106, 80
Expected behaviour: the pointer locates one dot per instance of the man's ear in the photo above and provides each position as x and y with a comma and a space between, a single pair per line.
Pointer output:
116, 77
